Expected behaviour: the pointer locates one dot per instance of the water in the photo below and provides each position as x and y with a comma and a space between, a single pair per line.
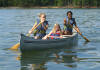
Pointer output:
84, 56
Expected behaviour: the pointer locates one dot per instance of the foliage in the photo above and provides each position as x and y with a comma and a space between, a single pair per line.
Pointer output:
33, 3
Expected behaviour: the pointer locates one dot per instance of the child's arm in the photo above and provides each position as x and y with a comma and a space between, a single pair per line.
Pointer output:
76, 27
45, 37
30, 31
64, 21
45, 27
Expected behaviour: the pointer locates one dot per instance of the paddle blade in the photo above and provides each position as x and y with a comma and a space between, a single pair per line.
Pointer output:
83, 37
86, 39
15, 47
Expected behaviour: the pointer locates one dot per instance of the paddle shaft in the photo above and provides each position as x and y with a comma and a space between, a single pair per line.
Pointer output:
33, 29
82, 35
79, 32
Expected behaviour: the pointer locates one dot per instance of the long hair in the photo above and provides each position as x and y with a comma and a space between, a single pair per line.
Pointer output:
54, 28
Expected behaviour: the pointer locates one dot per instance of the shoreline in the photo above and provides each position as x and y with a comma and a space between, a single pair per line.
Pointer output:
53, 7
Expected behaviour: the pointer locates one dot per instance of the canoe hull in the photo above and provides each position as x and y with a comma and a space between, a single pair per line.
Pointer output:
28, 43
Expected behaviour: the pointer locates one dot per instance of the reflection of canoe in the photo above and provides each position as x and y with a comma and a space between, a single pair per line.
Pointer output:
38, 60
33, 60
29, 43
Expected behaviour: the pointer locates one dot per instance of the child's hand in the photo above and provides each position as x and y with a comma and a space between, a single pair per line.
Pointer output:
30, 31
44, 38
64, 20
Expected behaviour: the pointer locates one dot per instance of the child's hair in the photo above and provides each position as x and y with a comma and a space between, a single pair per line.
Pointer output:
54, 28
69, 12
42, 14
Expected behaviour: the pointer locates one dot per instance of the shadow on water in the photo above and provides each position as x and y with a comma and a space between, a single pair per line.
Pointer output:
37, 60
86, 42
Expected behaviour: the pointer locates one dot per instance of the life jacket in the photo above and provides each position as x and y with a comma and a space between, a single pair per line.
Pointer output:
68, 26
40, 29
55, 34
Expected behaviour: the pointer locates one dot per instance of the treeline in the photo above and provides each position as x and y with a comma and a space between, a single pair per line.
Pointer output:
58, 3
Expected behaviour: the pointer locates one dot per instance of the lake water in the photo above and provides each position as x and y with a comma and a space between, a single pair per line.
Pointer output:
85, 56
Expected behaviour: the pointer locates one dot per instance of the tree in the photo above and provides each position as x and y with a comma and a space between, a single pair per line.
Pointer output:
32, 3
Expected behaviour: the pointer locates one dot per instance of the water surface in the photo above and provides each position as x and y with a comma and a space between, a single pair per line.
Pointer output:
84, 56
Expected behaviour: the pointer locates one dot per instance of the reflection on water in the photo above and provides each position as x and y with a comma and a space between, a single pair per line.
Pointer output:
38, 60
72, 58
69, 59
34, 60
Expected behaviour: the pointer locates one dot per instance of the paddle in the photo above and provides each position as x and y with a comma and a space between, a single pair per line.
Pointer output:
79, 33
82, 35
16, 46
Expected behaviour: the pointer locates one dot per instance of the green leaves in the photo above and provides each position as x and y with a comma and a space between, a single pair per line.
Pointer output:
32, 3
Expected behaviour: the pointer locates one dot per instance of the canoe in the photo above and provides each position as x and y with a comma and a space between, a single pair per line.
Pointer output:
29, 43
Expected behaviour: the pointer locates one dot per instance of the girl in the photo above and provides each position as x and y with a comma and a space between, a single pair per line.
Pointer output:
40, 31
55, 33
69, 21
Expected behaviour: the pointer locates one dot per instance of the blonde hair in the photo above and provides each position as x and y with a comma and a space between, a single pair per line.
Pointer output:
54, 28
42, 14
